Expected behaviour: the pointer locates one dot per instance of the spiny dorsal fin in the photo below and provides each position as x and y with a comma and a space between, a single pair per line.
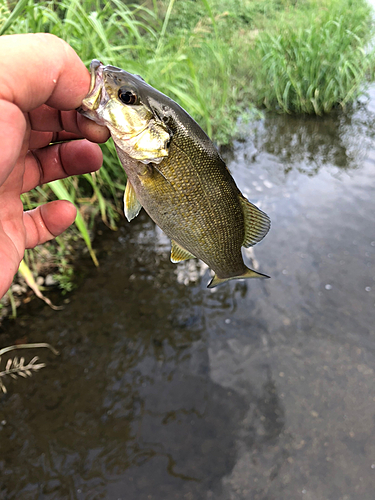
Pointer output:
178, 253
257, 223
132, 206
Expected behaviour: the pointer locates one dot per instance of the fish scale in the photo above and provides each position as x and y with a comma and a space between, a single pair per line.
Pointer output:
207, 232
175, 173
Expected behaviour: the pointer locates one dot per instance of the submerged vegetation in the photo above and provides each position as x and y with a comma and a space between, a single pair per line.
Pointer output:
220, 59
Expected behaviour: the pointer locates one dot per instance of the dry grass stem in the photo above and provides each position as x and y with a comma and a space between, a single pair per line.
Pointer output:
15, 367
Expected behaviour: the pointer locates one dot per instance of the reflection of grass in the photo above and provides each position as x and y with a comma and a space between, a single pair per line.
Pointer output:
215, 57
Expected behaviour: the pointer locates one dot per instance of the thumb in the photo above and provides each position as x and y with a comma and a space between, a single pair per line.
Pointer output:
12, 132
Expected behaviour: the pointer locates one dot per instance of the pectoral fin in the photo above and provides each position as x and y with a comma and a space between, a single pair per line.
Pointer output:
178, 253
249, 273
132, 206
257, 223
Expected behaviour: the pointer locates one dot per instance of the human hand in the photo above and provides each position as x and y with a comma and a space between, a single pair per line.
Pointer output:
42, 81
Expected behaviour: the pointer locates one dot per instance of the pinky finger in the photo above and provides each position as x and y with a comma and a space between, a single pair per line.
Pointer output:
48, 221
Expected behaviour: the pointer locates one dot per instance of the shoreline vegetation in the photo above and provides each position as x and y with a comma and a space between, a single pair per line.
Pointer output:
224, 61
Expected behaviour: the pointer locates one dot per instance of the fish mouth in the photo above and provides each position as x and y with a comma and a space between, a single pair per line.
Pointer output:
96, 70
97, 94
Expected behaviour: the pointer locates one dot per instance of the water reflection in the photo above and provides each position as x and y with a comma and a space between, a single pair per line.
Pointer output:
310, 143
131, 405
251, 391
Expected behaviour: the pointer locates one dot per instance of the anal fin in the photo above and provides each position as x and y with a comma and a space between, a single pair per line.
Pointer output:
178, 253
257, 223
249, 273
132, 206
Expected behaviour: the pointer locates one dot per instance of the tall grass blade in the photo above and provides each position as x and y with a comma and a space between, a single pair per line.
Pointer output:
12, 304
16, 12
27, 275
165, 25
61, 192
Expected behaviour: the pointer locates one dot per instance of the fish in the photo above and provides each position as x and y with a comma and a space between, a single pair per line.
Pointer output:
175, 172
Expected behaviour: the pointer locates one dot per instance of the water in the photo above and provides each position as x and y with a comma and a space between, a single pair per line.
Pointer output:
256, 390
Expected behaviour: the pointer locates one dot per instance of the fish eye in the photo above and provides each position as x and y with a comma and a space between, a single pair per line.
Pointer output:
127, 96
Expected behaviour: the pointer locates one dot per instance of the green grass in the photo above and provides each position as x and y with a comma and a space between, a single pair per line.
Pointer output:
217, 58
4, 13
317, 64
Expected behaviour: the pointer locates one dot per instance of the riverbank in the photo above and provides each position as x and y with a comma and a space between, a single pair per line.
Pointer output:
223, 61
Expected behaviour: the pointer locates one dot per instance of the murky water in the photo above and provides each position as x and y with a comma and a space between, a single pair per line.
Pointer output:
256, 390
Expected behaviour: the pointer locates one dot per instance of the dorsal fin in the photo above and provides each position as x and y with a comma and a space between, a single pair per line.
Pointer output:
257, 223
178, 253
132, 207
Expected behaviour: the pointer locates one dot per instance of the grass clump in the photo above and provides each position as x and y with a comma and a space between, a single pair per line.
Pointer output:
315, 65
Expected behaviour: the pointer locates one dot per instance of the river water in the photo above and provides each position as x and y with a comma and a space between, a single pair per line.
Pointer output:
256, 390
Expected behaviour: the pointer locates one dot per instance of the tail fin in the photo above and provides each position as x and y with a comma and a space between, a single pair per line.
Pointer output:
249, 273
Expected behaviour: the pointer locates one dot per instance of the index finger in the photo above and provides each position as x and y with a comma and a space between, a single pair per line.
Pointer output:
41, 68
47, 119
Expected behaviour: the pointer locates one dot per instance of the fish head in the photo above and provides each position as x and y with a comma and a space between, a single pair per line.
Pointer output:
120, 101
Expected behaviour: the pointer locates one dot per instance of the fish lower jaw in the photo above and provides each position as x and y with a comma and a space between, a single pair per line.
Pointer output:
156, 160
127, 146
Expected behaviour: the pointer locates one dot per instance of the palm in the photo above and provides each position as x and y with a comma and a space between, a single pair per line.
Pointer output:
39, 162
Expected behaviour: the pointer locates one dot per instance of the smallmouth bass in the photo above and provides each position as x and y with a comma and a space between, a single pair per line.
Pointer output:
175, 173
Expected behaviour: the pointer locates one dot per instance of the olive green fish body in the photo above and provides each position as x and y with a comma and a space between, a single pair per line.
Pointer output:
175, 173
201, 213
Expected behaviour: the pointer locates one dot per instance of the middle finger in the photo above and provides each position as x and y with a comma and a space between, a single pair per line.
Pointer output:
47, 119
42, 139
59, 161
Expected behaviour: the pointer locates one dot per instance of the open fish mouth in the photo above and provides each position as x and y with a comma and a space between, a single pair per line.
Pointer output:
97, 94
96, 69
